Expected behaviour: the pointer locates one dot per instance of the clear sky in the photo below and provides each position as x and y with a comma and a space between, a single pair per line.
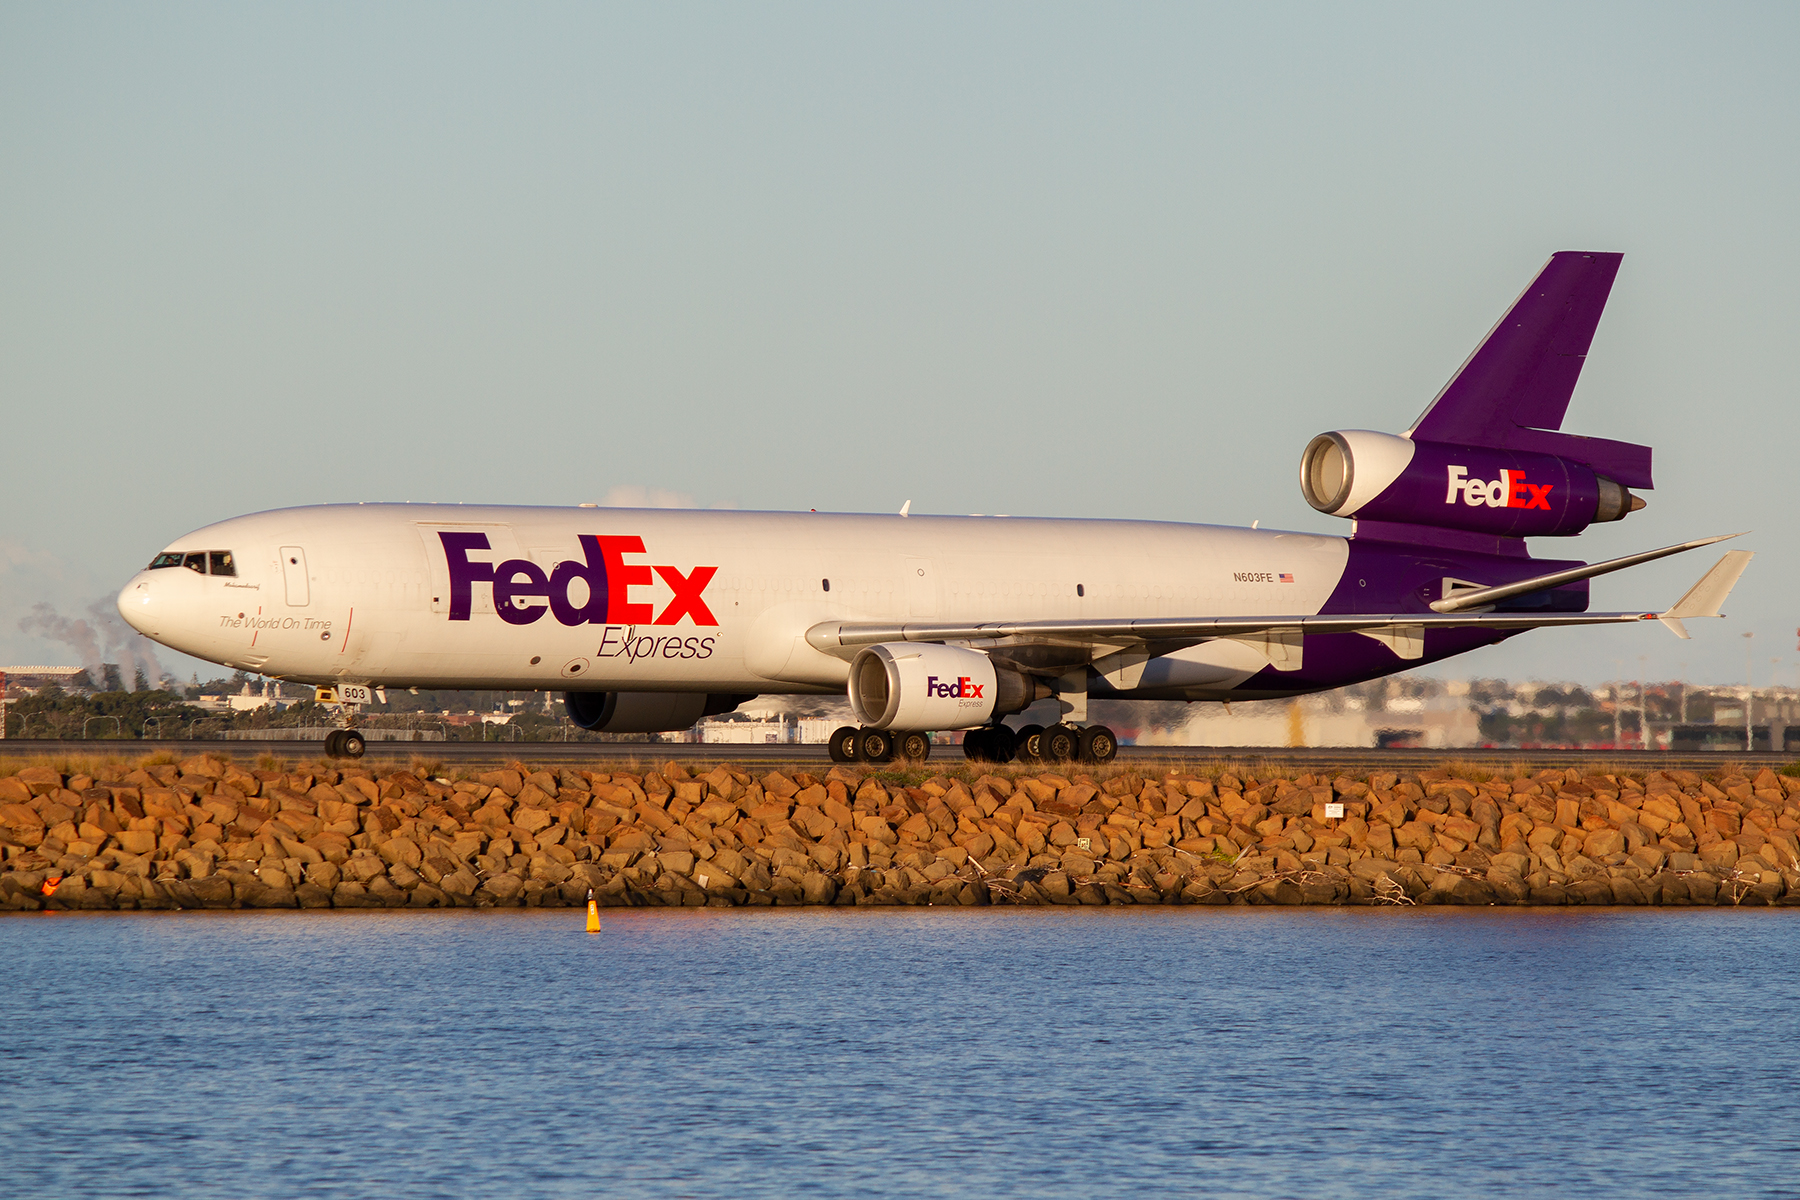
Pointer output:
1037, 259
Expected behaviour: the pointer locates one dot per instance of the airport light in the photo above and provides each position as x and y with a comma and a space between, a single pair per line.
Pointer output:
1749, 696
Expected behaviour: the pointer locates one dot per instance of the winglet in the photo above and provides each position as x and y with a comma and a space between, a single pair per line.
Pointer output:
1704, 598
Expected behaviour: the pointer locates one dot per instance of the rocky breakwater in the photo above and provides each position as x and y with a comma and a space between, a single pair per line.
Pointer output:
206, 833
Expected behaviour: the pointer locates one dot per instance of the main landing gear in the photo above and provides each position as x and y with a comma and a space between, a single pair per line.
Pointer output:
850, 744
1036, 744
1069, 740
989, 744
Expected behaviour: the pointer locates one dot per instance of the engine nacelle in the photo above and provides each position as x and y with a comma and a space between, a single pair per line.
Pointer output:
644, 712
1510, 493
922, 685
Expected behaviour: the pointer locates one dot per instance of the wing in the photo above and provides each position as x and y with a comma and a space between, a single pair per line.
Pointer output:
1059, 645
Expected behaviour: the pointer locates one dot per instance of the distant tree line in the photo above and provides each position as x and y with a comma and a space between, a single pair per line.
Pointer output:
81, 712
55, 713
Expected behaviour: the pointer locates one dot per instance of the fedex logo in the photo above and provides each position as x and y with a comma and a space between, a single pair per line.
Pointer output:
606, 578
1508, 491
964, 687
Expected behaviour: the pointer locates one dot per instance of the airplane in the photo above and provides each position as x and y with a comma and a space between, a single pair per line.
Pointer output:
649, 620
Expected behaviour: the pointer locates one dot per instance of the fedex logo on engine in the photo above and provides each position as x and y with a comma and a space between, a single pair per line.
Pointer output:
963, 688
1508, 491
605, 576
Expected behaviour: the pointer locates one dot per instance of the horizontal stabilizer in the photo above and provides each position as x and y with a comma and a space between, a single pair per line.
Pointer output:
1484, 597
1705, 597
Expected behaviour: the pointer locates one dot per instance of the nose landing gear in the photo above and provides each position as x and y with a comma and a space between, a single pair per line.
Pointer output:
346, 701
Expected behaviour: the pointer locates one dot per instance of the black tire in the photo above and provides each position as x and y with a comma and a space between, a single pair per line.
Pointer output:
333, 744
1059, 744
913, 746
1028, 744
351, 744
1098, 744
844, 744
978, 746
874, 745
1000, 744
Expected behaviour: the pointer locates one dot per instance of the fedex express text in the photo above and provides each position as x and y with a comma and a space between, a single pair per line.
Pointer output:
1508, 491
605, 576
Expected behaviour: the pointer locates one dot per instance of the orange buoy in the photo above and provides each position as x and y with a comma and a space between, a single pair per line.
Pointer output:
593, 925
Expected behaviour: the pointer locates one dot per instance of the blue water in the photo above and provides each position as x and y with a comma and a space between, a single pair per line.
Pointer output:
1182, 1052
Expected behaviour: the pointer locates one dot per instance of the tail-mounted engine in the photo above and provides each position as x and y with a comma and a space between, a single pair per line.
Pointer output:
924, 685
1509, 493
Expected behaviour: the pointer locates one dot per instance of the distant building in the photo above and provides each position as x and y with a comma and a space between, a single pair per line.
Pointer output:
1442, 719
33, 678
742, 733
764, 727
246, 701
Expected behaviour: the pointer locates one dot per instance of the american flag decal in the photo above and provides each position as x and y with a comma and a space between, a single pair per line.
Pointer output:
1284, 577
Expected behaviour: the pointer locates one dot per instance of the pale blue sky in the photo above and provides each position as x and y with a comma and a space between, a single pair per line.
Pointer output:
1061, 260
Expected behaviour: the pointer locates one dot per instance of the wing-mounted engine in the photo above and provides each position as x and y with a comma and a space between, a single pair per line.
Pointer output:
905, 685
645, 712
1508, 493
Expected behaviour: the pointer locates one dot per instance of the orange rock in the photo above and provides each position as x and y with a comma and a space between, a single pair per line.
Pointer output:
1603, 842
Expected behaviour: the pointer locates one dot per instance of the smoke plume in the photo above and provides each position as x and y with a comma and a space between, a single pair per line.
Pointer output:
99, 638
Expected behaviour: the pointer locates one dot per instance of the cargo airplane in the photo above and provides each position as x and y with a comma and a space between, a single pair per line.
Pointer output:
648, 620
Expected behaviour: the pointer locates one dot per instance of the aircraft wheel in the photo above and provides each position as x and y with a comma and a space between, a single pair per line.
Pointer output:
1059, 744
843, 744
914, 746
874, 745
351, 744
334, 742
1028, 744
1000, 744
978, 745
1098, 745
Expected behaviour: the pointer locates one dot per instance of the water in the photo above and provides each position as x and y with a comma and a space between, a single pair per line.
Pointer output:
1000, 1052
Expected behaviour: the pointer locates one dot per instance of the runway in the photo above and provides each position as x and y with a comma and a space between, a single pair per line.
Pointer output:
476, 754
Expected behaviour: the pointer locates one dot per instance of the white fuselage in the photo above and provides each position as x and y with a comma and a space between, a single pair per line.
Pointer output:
369, 593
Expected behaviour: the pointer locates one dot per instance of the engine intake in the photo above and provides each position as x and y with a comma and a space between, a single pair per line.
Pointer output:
644, 712
1511, 493
917, 686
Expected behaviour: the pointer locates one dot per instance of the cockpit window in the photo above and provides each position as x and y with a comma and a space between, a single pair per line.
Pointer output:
223, 562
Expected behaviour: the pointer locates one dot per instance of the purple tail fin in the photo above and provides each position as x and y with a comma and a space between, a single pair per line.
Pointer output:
1513, 391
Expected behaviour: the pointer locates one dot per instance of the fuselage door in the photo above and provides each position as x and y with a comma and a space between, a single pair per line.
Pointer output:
921, 588
293, 572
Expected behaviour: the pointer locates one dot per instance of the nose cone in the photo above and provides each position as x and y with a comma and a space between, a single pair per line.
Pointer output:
137, 604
